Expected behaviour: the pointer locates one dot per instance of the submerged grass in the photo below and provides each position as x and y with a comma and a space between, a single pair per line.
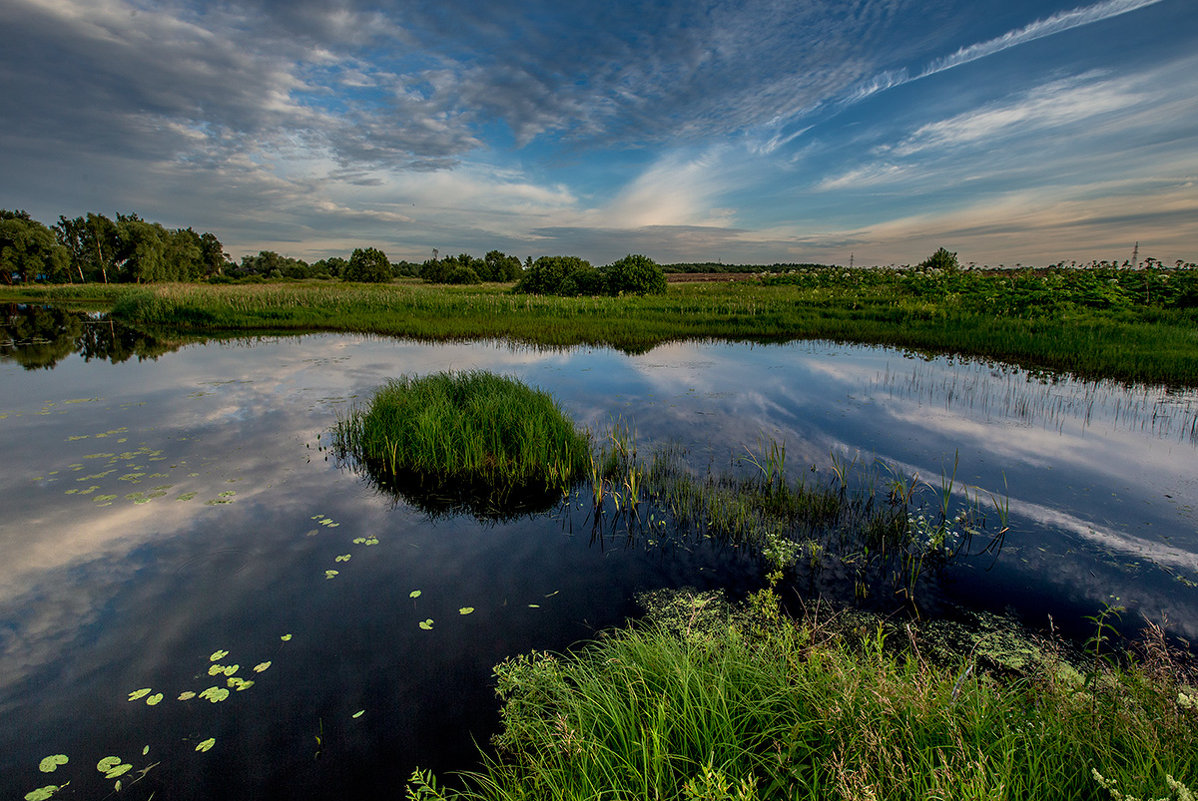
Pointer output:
764, 707
469, 434
1071, 320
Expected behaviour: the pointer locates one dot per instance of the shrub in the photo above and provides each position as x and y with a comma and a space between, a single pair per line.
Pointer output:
635, 275
941, 260
546, 274
369, 265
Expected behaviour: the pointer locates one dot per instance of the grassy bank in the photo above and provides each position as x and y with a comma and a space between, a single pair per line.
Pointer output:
1079, 327
754, 706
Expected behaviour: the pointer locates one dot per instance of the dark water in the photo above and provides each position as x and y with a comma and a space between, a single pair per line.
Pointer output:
159, 510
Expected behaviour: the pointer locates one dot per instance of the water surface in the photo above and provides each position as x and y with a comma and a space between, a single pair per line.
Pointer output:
158, 511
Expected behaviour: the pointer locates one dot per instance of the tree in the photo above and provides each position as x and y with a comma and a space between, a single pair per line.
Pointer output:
635, 275
29, 251
499, 266
941, 260
369, 265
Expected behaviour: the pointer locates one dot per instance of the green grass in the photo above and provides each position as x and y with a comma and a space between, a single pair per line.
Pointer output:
475, 436
761, 707
1143, 328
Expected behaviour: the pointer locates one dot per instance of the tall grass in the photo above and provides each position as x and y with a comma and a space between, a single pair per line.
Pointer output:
765, 708
469, 434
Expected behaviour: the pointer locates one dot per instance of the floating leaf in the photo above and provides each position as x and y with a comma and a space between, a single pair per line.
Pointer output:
214, 669
328, 574
358, 714
206, 745
117, 786
343, 557
142, 693
534, 606
51, 763
286, 638
119, 770
261, 666
245, 684
372, 540
466, 610
427, 625
217, 655
107, 763
414, 594
145, 750
42, 793
359, 540
215, 694
234, 682
231, 669
154, 699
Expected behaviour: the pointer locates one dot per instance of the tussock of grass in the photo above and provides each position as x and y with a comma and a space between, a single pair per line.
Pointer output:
466, 434
769, 708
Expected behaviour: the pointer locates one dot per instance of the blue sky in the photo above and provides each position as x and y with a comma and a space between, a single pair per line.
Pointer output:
1010, 131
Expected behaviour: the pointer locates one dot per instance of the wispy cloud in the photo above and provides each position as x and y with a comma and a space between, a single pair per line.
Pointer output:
1057, 23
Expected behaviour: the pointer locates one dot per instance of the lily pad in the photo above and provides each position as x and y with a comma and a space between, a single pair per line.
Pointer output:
328, 574
206, 745
466, 610
107, 763
215, 694
358, 714
51, 763
286, 638
214, 669
154, 699
218, 655
414, 594
427, 625
142, 693
231, 669
343, 557
42, 793
119, 770
261, 666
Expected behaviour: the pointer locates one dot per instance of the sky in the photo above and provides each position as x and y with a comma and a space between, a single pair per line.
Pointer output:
751, 132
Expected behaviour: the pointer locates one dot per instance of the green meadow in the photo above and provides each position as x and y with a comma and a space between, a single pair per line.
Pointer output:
1127, 325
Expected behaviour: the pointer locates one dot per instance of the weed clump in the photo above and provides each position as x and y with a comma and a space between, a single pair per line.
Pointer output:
468, 440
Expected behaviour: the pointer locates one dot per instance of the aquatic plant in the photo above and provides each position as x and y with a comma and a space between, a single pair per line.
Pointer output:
465, 441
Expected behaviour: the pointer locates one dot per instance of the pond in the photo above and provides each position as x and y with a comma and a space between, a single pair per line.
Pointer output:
173, 520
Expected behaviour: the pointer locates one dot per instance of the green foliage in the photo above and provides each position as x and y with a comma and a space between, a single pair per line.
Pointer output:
28, 250
546, 275
501, 267
367, 265
635, 275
